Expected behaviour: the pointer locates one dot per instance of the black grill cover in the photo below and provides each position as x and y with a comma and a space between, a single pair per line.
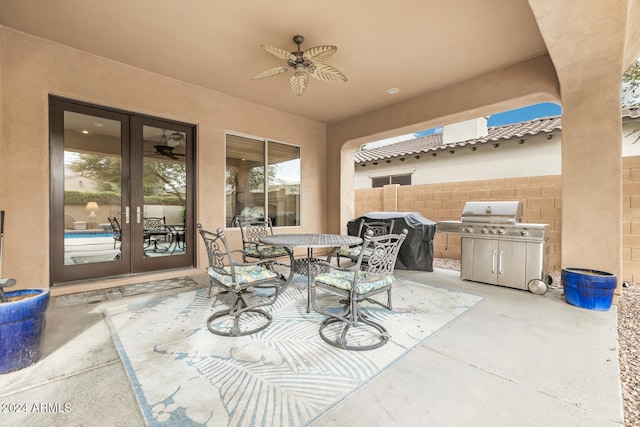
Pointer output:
416, 252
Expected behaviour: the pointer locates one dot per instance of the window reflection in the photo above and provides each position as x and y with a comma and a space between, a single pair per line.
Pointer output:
246, 180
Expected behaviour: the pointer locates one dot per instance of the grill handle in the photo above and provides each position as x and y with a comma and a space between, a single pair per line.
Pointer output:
500, 263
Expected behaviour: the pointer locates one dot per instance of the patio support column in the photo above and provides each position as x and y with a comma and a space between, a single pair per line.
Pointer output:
589, 57
592, 181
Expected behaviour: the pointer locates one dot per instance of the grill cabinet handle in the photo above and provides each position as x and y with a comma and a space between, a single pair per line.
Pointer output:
493, 261
500, 263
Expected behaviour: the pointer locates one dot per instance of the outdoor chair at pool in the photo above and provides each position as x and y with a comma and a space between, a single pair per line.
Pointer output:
252, 231
379, 228
349, 328
248, 285
117, 231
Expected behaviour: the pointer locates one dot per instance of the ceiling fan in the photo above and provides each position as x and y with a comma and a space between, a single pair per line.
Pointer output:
304, 63
166, 145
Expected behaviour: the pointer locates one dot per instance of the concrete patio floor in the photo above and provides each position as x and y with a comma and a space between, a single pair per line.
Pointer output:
514, 359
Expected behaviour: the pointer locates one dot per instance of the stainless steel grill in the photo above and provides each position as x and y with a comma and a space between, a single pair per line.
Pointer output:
499, 249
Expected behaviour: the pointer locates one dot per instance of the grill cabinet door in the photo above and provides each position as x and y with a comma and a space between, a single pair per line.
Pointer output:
466, 258
485, 261
512, 258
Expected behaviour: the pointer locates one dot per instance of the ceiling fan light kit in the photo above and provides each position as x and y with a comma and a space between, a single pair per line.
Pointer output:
304, 63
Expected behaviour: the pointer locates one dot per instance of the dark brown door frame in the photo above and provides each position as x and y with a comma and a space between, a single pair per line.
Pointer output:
132, 260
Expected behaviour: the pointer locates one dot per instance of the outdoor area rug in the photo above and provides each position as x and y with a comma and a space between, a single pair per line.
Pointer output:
285, 375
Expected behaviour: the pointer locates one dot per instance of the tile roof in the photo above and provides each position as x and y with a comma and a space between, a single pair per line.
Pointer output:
433, 143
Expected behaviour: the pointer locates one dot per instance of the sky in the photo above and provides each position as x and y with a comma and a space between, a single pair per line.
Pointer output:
525, 114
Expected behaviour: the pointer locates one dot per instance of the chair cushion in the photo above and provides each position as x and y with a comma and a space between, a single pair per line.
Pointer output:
354, 252
266, 251
244, 275
344, 280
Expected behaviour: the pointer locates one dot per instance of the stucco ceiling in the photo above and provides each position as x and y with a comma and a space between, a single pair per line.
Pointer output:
416, 46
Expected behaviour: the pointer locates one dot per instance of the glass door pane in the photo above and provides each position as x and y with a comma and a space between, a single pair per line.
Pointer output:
164, 192
92, 188
162, 183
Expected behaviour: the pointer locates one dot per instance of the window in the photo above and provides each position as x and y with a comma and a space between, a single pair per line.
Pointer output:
255, 195
381, 181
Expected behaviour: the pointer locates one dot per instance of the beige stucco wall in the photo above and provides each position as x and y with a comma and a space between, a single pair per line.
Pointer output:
32, 68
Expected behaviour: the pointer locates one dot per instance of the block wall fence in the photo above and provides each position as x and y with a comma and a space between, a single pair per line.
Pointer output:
542, 203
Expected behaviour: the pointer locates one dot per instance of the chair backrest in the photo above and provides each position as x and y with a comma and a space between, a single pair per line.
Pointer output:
68, 222
217, 248
151, 223
252, 230
379, 228
115, 226
381, 252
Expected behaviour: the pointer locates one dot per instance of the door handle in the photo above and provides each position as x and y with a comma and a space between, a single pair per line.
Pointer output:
493, 261
500, 262
126, 214
138, 214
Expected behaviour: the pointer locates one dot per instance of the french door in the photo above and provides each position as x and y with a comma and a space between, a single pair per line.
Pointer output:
121, 192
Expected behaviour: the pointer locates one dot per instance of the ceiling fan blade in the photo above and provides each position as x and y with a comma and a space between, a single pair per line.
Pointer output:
298, 82
270, 73
278, 53
319, 53
328, 73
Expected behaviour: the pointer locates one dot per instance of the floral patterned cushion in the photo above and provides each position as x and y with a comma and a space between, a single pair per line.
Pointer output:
344, 280
244, 275
354, 252
266, 251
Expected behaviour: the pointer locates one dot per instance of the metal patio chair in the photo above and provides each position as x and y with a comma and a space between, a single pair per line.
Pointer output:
252, 231
356, 284
379, 228
154, 231
249, 285
117, 234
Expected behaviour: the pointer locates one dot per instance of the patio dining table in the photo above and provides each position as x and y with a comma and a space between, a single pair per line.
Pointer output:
175, 233
310, 241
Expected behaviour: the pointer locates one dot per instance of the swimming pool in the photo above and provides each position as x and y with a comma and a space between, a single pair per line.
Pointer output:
91, 234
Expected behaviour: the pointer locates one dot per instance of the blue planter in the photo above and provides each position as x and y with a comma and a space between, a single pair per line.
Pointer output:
590, 289
22, 325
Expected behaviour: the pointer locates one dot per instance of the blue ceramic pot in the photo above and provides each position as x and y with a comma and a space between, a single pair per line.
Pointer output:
590, 289
22, 325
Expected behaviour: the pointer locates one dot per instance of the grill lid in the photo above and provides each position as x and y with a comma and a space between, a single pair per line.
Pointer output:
496, 212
